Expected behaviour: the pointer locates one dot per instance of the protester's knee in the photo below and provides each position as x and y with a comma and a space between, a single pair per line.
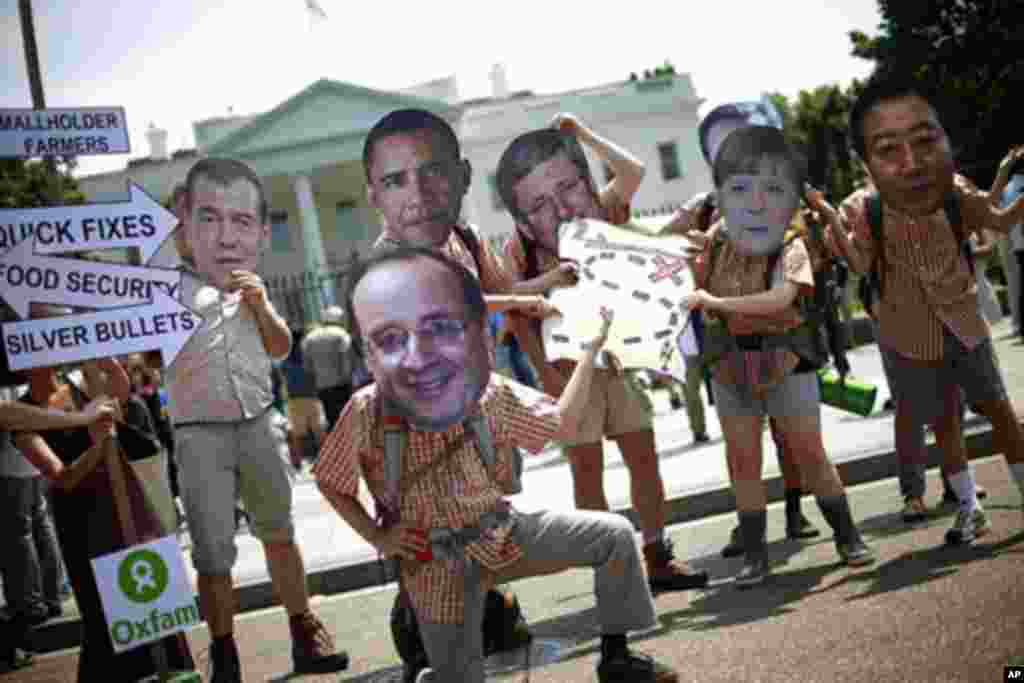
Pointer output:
214, 559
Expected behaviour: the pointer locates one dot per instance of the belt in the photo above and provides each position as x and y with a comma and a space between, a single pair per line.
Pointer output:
198, 423
447, 542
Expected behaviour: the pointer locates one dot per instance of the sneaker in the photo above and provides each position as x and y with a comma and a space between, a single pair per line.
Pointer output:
950, 500
968, 526
632, 667
225, 666
425, 676
701, 437
856, 553
914, 510
754, 572
666, 573
734, 548
313, 647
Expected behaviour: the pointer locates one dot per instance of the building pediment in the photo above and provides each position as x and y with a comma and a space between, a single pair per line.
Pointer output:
326, 111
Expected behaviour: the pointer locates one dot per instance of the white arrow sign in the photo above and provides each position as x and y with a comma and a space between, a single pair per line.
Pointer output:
26, 277
163, 324
63, 132
140, 222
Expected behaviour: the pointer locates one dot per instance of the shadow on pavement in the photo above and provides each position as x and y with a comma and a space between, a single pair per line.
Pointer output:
929, 564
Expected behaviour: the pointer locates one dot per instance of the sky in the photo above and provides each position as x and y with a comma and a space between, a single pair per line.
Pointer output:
172, 62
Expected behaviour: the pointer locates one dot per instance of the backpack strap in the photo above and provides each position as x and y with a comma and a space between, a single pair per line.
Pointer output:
955, 216
394, 438
469, 239
876, 274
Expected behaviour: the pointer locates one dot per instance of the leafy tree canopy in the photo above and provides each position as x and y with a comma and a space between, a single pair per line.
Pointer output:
970, 52
26, 183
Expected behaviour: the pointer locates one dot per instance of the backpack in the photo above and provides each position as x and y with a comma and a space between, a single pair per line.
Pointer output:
808, 339
468, 238
874, 281
504, 626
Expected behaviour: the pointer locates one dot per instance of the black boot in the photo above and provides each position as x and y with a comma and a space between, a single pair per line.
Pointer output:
797, 526
849, 544
225, 666
734, 548
755, 565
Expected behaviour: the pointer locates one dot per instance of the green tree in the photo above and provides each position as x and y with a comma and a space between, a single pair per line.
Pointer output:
969, 51
816, 122
26, 183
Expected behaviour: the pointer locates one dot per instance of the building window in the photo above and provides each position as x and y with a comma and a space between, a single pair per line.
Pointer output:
668, 154
492, 183
280, 235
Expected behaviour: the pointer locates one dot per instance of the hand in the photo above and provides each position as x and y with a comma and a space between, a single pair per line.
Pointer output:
537, 307
99, 409
402, 540
567, 274
1011, 158
566, 122
816, 201
699, 299
598, 342
251, 285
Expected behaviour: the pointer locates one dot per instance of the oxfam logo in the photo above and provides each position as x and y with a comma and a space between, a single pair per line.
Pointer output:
142, 576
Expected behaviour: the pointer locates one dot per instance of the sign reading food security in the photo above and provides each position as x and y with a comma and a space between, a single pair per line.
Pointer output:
131, 308
63, 132
146, 593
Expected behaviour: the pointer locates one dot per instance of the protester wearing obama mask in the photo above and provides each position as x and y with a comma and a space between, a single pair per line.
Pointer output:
417, 178
227, 440
420, 320
758, 342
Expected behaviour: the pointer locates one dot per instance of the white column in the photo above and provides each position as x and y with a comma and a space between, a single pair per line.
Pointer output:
315, 299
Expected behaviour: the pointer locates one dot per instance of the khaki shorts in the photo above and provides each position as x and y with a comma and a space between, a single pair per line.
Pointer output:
306, 414
617, 405
217, 464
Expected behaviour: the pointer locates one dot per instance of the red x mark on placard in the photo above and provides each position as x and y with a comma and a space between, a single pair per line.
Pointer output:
666, 269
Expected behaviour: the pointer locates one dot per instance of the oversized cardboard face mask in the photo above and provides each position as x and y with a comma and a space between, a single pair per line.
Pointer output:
758, 207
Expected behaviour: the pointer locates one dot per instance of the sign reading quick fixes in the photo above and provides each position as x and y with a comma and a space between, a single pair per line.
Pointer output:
146, 593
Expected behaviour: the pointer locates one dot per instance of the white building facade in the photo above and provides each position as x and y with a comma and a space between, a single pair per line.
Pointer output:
308, 152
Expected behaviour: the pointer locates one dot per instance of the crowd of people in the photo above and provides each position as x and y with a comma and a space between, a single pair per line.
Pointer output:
430, 381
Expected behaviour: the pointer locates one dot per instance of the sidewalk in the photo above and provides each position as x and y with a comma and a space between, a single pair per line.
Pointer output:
860, 446
922, 612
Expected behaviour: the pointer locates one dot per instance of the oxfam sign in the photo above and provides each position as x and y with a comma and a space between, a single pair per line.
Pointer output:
146, 593
142, 576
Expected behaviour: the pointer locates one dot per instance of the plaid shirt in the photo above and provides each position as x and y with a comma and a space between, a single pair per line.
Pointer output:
736, 275
453, 494
928, 284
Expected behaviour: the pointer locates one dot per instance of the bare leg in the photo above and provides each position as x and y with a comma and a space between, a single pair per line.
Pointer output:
587, 463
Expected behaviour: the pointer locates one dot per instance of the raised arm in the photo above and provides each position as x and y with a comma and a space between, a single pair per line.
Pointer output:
995, 193
274, 332
574, 399
627, 169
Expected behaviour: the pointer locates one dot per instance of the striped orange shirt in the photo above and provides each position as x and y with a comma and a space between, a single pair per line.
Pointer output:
454, 494
927, 281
